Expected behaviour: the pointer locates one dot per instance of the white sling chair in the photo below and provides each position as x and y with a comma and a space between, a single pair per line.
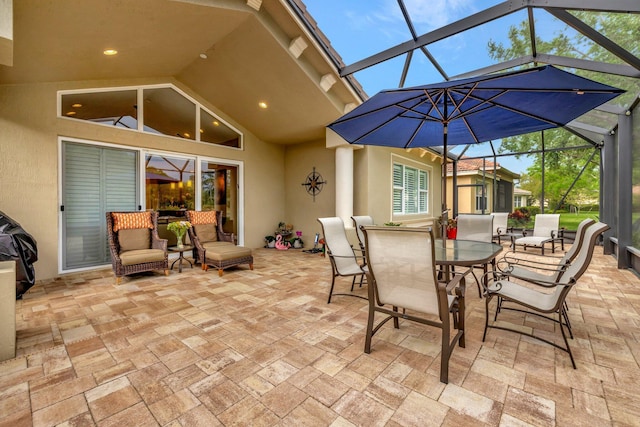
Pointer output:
357, 222
534, 300
402, 275
546, 229
500, 225
344, 261
478, 228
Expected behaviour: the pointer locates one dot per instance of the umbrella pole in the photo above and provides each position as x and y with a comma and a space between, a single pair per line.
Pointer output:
443, 192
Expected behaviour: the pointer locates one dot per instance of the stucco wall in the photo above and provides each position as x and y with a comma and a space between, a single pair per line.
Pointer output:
374, 173
301, 209
29, 162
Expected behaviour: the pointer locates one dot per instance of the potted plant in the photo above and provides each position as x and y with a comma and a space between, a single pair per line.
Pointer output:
284, 229
297, 242
271, 241
451, 227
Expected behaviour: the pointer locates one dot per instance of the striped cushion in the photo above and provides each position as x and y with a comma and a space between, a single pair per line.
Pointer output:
131, 220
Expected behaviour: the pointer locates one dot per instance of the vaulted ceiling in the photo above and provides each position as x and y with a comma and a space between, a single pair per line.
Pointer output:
250, 49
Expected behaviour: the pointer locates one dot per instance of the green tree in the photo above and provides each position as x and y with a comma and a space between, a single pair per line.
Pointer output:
561, 167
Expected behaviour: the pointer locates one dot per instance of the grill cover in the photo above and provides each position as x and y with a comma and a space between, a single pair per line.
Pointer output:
18, 245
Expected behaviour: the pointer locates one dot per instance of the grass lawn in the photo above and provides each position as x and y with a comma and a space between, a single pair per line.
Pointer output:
569, 221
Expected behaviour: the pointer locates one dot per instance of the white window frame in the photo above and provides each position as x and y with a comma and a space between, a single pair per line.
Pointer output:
481, 190
140, 103
426, 192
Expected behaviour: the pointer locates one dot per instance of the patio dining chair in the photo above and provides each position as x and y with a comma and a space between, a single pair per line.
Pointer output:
344, 261
359, 221
402, 275
532, 269
535, 300
546, 229
500, 226
478, 228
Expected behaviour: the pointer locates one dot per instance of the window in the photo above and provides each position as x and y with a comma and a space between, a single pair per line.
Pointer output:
163, 110
481, 197
410, 190
517, 201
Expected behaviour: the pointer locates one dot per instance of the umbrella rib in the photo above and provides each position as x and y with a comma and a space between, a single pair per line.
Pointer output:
415, 132
433, 104
404, 109
487, 103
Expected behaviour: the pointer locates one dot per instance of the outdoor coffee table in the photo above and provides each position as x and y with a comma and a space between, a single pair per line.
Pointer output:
181, 251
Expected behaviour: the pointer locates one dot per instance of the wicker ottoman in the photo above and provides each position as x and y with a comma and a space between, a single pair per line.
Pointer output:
226, 256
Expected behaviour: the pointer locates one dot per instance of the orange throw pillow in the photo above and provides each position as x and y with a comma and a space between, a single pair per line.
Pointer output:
203, 217
131, 220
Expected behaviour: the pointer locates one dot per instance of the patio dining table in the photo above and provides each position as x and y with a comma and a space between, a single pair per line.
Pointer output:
464, 253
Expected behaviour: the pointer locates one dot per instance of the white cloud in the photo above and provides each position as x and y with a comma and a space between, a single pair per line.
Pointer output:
431, 13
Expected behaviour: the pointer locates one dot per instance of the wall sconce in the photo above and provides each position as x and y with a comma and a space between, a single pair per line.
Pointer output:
173, 185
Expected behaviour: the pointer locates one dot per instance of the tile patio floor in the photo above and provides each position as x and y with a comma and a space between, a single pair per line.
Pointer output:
262, 348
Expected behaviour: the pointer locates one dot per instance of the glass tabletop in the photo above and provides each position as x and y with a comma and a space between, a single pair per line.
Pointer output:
465, 252
180, 249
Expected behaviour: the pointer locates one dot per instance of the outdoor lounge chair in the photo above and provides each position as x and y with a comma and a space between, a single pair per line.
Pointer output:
402, 275
536, 300
212, 245
545, 230
134, 243
344, 261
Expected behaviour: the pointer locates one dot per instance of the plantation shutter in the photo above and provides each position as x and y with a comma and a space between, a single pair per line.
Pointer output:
95, 180
423, 204
397, 188
411, 190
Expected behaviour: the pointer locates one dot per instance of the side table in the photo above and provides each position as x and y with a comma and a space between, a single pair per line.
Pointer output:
181, 251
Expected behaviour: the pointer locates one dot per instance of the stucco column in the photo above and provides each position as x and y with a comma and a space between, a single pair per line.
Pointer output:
344, 183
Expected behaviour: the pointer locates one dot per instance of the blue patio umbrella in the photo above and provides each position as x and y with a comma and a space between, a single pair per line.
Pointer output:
472, 110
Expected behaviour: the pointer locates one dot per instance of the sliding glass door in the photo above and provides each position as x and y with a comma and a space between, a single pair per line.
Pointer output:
99, 178
95, 180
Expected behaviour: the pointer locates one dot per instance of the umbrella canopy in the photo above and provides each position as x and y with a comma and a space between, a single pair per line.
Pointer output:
473, 110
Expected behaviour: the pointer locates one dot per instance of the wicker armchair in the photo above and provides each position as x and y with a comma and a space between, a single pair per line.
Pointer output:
134, 243
212, 246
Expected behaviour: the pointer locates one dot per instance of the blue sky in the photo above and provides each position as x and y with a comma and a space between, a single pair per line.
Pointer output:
359, 28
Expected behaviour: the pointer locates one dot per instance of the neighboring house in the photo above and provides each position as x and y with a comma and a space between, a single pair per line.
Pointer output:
206, 105
482, 186
521, 197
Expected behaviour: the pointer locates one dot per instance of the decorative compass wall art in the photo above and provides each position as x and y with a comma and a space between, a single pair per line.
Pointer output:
314, 183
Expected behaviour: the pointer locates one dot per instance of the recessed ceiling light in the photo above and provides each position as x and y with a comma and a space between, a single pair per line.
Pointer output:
71, 113
203, 56
201, 130
216, 123
76, 105
110, 52
186, 135
262, 104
